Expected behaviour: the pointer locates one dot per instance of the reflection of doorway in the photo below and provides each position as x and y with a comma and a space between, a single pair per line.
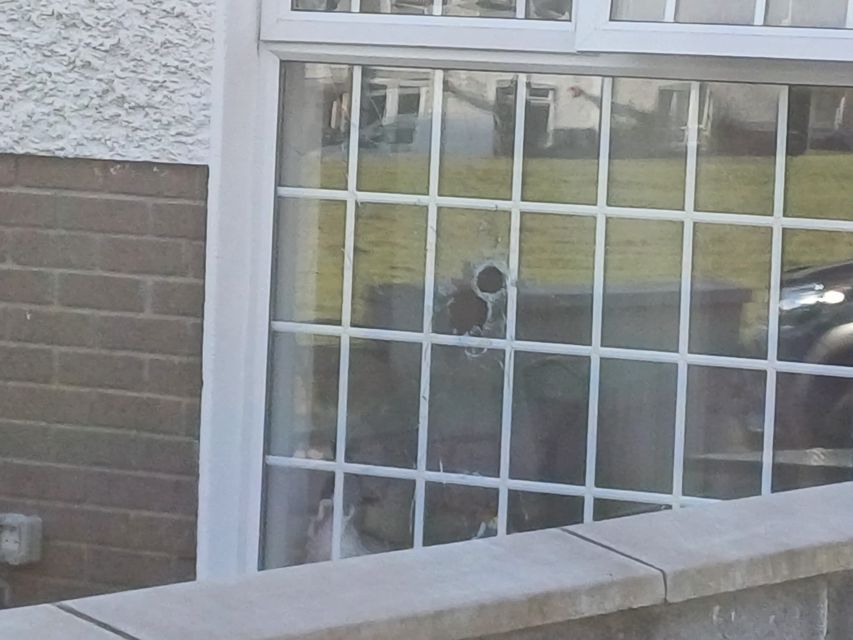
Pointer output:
672, 106
539, 122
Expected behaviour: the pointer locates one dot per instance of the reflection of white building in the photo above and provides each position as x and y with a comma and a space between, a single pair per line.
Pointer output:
786, 13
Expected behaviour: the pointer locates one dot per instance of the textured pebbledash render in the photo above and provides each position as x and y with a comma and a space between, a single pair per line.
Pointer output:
110, 79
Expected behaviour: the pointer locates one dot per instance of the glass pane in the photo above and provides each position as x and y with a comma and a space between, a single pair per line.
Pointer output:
382, 409
472, 257
297, 526
309, 260
479, 8
724, 436
730, 290
806, 13
636, 425
549, 418
315, 107
321, 5
737, 148
816, 304
555, 278
303, 396
561, 128
610, 509
378, 515
416, 7
716, 12
534, 511
549, 9
478, 128
813, 442
454, 513
388, 272
394, 130
466, 392
648, 143
820, 153
639, 10
642, 284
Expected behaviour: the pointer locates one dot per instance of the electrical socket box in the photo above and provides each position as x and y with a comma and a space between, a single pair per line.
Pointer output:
20, 539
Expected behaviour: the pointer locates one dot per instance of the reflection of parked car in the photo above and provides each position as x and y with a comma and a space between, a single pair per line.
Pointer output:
816, 326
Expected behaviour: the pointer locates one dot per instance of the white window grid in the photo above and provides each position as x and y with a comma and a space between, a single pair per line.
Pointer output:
597, 32
602, 212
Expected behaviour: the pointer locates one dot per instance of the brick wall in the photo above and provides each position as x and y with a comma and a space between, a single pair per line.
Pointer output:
101, 289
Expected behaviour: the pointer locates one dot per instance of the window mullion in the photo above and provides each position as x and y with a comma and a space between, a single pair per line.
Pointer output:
598, 296
686, 293
775, 292
346, 314
429, 297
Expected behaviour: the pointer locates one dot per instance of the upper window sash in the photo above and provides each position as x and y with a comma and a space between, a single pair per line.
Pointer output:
281, 23
591, 30
596, 31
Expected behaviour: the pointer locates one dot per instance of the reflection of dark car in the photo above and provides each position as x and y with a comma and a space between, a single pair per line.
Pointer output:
816, 327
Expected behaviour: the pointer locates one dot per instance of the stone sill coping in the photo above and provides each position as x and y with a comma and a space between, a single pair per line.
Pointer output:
484, 587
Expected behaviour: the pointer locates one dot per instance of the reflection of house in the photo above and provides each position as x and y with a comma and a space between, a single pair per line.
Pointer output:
393, 104
820, 118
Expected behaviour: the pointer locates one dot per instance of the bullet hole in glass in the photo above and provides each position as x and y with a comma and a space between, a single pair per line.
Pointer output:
490, 280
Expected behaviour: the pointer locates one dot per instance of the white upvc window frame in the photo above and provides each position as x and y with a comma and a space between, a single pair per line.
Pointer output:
242, 195
595, 31
281, 23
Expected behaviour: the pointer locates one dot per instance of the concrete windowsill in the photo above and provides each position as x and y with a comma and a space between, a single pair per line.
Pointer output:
491, 586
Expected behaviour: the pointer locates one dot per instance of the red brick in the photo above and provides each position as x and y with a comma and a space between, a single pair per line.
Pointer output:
143, 413
175, 376
100, 370
41, 403
178, 220
161, 336
118, 450
48, 326
62, 250
117, 566
105, 215
60, 173
109, 293
26, 364
26, 285
195, 259
27, 209
8, 166
177, 298
158, 180
143, 256
95, 487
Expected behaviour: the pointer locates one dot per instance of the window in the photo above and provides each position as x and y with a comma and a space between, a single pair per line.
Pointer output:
801, 29
494, 283
553, 298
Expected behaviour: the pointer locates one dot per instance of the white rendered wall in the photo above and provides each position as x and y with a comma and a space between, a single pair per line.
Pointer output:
117, 79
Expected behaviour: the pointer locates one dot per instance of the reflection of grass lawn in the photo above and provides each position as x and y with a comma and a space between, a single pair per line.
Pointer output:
557, 250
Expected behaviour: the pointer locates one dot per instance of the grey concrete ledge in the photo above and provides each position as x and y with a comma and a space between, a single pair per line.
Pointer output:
740, 544
46, 622
489, 587
451, 592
